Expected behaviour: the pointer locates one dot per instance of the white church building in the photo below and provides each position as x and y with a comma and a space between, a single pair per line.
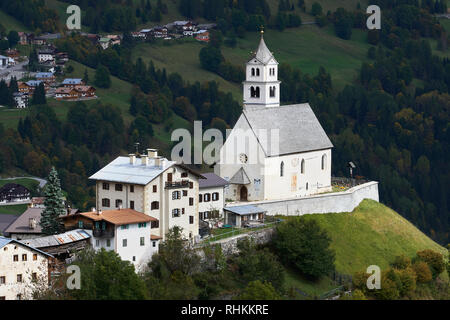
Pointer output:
273, 152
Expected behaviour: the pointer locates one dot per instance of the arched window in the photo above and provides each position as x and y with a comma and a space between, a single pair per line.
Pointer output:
252, 92
257, 92
272, 92
282, 169
302, 166
307, 186
253, 72
257, 72
324, 162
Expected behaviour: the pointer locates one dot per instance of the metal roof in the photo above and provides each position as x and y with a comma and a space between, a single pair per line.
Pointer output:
33, 83
299, 129
71, 81
4, 241
59, 239
211, 180
44, 75
244, 210
121, 170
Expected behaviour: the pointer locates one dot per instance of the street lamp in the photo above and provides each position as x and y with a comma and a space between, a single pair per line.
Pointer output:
351, 166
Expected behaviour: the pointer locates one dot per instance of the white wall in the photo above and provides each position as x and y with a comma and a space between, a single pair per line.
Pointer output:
10, 269
336, 202
266, 171
141, 254
294, 183
212, 205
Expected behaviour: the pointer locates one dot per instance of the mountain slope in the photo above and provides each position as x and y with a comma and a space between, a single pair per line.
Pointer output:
372, 234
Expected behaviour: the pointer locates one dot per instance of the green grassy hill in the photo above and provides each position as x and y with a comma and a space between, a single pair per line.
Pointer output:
372, 234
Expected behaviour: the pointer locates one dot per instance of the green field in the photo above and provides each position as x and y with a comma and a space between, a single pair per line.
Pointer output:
309, 48
15, 210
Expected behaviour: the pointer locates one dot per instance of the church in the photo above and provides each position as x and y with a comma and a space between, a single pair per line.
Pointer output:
273, 152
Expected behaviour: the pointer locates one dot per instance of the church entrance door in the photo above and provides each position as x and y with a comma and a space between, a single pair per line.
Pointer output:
244, 193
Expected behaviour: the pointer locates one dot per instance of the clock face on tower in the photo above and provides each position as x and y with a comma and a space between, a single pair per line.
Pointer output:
243, 158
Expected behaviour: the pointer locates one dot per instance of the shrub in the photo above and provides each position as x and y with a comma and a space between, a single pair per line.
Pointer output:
422, 271
257, 290
434, 260
401, 262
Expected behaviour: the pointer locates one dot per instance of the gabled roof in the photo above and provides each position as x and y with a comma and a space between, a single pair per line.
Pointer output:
4, 241
244, 210
211, 180
118, 217
299, 129
240, 177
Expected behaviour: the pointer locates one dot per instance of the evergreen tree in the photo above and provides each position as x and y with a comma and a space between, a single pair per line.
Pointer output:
102, 79
39, 95
54, 206
86, 76
33, 61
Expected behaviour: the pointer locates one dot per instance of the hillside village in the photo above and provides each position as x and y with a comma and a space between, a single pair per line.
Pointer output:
143, 206
51, 62
142, 196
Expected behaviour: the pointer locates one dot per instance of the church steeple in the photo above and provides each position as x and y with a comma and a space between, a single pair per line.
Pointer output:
262, 88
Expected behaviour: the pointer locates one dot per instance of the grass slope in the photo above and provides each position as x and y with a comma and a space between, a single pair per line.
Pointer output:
309, 48
372, 234
11, 23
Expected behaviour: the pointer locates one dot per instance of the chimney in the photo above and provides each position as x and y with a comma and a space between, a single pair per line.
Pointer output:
94, 210
144, 160
159, 161
132, 158
99, 212
32, 223
152, 153
120, 207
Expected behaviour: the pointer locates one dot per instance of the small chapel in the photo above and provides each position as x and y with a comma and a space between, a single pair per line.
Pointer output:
273, 152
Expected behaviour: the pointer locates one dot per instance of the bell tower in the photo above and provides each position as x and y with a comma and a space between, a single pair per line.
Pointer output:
261, 87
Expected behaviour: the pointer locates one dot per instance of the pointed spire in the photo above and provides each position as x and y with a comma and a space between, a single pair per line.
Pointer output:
263, 53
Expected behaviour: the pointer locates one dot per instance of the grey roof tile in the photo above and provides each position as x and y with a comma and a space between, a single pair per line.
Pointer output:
299, 129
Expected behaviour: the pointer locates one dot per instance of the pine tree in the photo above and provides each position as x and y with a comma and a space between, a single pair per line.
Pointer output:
39, 95
54, 206
86, 77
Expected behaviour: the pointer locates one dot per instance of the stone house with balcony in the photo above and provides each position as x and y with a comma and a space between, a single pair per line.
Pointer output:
148, 183
127, 232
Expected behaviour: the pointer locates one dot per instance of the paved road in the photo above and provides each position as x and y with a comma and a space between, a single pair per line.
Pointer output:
15, 71
42, 182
